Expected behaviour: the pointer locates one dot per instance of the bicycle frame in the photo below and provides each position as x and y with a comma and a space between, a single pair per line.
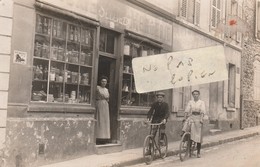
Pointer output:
154, 134
151, 144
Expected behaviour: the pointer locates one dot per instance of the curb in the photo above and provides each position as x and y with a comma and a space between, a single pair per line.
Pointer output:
176, 152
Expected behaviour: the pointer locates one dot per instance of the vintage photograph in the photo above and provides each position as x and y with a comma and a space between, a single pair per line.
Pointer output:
129, 83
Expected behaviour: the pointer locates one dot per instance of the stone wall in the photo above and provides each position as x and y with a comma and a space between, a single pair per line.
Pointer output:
251, 47
37, 141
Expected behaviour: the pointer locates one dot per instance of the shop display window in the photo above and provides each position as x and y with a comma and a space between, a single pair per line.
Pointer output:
62, 61
132, 49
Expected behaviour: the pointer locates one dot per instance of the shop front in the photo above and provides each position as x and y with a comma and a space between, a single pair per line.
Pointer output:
66, 47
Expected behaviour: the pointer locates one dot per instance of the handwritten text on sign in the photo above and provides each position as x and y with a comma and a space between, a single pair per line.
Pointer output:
179, 69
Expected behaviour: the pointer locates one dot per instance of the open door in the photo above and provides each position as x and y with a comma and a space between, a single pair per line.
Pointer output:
106, 67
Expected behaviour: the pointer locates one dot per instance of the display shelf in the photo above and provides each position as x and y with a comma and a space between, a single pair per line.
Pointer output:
39, 80
41, 58
62, 62
134, 48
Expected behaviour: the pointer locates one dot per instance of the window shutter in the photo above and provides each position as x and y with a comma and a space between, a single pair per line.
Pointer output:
240, 11
218, 14
197, 12
213, 17
237, 103
240, 15
215, 13
239, 37
190, 11
183, 8
257, 21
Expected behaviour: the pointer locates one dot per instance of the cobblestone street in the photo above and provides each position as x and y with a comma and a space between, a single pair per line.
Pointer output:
241, 153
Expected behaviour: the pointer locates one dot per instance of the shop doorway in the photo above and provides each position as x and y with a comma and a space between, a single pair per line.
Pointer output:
106, 67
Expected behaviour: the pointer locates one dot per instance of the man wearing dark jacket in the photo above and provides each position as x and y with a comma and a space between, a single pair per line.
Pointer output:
159, 112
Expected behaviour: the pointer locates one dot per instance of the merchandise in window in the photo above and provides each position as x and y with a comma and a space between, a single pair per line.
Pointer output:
130, 97
62, 62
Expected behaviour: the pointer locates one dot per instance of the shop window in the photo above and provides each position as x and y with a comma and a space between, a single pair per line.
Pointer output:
62, 62
231, 85
190, 10
215, 13
130, 97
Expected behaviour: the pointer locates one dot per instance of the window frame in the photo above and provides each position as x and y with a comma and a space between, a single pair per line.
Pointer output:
191, 11
67, 21
231, 85
128, 92
214, 24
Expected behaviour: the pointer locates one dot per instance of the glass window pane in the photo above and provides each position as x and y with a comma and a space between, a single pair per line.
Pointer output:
129, 94
102, 41
62, 64
110, 43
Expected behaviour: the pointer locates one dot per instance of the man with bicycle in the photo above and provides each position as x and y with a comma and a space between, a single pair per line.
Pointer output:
159, 112
195, 111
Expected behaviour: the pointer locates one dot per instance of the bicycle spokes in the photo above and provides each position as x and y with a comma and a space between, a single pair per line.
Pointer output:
184, 147
163, 146
148, 150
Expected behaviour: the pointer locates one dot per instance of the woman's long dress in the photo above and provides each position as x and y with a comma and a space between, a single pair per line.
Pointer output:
103, 121
193, 122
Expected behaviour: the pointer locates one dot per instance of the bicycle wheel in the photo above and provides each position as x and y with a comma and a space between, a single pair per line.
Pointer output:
148, 150
184, 146
163, 146
193, 148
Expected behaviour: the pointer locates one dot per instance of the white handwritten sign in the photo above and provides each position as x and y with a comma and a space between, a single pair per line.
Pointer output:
179, 69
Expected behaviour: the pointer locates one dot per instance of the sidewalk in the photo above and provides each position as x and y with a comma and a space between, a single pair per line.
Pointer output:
134, 156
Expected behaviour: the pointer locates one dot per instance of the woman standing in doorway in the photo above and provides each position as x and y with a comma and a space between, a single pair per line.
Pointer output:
102, 108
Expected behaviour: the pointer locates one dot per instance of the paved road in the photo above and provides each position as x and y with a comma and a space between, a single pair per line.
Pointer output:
241, 153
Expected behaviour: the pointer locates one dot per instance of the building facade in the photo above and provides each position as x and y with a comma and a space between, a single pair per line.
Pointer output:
196, 28
55, 55
250, 83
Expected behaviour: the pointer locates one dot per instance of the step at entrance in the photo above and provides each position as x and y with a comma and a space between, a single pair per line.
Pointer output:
108, 148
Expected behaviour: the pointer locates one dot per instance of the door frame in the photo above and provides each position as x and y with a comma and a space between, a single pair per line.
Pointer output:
118, 50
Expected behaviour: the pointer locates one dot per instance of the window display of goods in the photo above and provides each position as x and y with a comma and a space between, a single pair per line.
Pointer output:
39, 73
57, 53
73, 56
45, 51
43, 25
74, 77
62, 53
41, 50
85, 79
38, 95
58, 30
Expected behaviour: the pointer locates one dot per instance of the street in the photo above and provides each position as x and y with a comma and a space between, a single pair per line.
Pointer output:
241, 153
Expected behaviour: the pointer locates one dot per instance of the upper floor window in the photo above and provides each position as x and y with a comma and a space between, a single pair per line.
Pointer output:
215, 13
190, 10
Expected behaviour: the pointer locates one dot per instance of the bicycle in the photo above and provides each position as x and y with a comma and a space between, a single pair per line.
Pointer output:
151, 146
187, 146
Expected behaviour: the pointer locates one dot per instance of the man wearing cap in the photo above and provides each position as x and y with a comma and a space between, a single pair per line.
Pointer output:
159, 112
195, 111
